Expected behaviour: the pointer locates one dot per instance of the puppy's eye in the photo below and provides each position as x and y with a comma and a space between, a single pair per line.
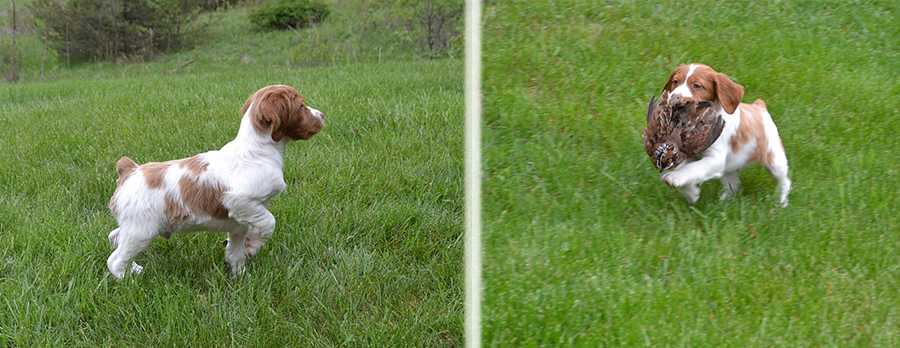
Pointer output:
674, 82
697, 86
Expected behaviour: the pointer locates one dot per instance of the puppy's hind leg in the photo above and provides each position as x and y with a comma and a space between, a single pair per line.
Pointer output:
731, 183
128, 243
779, 170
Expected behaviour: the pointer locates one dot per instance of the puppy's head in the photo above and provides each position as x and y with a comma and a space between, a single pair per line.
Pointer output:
280, 111
699, 83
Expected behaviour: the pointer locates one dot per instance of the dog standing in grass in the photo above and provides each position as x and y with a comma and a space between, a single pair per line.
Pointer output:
749, 135
226, 190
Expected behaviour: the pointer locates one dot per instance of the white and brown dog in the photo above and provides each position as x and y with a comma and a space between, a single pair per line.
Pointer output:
749, 135
218, 191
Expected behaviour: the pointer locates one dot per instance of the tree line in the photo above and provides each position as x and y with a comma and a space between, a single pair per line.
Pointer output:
140, 30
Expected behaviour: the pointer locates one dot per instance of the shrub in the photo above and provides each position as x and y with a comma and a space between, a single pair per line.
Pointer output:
111, 29
434, 25
288, 14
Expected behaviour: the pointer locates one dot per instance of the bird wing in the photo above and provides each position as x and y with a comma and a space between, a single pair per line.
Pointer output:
658, 113
650, 108
701, 132
716, 130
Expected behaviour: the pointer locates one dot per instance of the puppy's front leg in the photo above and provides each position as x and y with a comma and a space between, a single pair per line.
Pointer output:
259, 224
235, 252
711, 166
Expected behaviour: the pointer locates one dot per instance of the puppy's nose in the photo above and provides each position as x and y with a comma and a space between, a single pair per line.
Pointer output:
318, 113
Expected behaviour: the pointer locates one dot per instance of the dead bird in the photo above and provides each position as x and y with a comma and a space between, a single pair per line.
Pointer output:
679, 130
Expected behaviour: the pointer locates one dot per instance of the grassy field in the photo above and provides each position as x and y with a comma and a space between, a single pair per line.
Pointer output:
584, 246
367, 250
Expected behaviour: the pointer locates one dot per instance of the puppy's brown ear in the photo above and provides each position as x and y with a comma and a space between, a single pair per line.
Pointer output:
270, 105
728, 92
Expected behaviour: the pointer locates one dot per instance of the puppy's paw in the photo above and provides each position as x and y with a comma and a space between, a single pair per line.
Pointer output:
691, 193
237, 273
673, 179
726, 195
252, 247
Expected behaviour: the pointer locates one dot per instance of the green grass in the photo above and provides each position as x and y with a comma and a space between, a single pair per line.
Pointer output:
584, 246
367, 250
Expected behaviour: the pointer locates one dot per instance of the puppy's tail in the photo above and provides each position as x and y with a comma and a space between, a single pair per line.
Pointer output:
125, 166
760, 103
114, 238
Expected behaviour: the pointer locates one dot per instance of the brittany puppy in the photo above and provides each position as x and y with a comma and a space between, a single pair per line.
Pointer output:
749, 135
217, 191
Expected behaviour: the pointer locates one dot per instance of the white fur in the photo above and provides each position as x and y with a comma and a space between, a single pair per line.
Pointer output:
249, 168
721, 162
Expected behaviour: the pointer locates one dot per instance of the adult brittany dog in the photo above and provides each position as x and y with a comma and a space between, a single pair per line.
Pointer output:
749, 135
218, 191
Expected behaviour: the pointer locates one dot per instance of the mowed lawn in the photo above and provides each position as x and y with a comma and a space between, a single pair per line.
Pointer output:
584, 245
367, 250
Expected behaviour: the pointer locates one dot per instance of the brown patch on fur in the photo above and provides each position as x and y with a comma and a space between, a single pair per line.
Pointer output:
281, 111
202, 198
752, 127
154, 173
175, 213
194, 164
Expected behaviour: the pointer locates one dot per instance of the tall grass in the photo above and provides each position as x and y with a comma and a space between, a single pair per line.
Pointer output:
367, 250
584, 246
